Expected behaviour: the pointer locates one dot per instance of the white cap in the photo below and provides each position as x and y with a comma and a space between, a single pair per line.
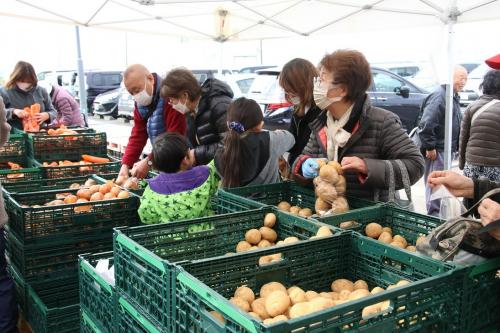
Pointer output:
47, 85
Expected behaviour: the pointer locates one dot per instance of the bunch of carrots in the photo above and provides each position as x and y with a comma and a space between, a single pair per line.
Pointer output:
29, 122
86, 159
62, 130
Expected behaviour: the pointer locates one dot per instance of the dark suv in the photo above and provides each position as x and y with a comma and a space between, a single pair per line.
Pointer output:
98, 82
388, 90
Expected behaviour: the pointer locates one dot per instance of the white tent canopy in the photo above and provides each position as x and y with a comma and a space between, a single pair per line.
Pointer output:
230, 20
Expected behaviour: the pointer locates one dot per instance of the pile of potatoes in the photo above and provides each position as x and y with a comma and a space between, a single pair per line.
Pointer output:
384, 235
295, 210
277, 303
266, 236
330, 187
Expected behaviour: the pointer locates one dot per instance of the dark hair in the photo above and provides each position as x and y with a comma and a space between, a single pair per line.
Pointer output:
297, 77
491, 83
242, 115
24, 72
169, 150
351, 69
180, 80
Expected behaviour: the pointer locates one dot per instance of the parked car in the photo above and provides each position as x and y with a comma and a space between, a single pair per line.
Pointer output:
98, 82
106, 104
253, 69
203, 74
64, 78
471, 91
389, 91
239, 83
125, 103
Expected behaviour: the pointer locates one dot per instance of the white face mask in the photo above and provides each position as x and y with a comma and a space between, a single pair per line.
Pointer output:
24, 86
143, 98
182, 108
295, 100
320, 93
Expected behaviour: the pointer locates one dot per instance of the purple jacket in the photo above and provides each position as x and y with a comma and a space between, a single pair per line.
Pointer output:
68, 110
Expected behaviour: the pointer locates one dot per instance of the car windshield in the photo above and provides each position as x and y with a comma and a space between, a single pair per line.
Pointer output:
266, 86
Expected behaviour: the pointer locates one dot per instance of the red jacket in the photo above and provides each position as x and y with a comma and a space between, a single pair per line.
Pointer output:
174, 122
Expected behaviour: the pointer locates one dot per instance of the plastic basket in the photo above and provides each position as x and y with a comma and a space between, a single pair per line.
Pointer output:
481, 295
97, 296
410, 225
293, 193
131, 320
144, 256
78, 170
87, 325
17, 146
29, 170
427, 304
68, 147
62, 223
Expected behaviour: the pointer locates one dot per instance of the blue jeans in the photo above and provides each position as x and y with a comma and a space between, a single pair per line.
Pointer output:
430, 166
8, 303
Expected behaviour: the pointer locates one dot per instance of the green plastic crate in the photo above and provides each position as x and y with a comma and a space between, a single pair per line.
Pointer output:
17, 146
481, 294
50, 312
61, 223
68, 147
97, 296
429, 303
144, 256
87, 325
131, 320
295, 194
78, 170
115, 153
52, 260
410, 225
28, 172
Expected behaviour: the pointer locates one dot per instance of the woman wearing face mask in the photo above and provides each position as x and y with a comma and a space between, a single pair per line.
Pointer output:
296, 79
22, 91
353, 132
205, 108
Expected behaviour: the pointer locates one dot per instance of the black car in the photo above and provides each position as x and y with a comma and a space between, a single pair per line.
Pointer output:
388, 90
98, 82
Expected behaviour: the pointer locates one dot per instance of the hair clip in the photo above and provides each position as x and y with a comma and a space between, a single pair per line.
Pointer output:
236, 126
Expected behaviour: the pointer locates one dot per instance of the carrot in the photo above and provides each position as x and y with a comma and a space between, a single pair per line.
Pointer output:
95, 159
13, 166
35, 108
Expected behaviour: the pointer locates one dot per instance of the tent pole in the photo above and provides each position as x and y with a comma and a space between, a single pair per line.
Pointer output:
221, 58
81, 74
448, 130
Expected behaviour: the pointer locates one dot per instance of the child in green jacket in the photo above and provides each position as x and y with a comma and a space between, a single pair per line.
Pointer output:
181, 191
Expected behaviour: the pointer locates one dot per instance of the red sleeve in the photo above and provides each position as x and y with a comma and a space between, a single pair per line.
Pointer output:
136, 141
174, 120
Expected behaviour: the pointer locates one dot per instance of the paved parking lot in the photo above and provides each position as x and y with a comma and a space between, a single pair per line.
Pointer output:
118, 132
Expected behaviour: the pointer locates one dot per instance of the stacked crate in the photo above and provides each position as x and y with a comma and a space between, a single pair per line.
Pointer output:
18, 150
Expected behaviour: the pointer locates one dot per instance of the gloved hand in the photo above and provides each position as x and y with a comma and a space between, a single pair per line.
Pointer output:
310, 167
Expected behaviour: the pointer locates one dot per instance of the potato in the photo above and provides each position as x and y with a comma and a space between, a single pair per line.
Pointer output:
360, 284
295, 210
392, 286
89, 182
245, 293
321, 162
334, 295
263, 243
120, 180
376, 290
321, 303
268, 288
253, 236
218, 316
340, 205
337, 167
385, 237
277, 302
268, 321
275, 257
401, 239
326, 191
387, 229
243, 246
280, 318
325, 295
253, 248
269, 220
342, 284
94, 188
370, 310
358, 293
397, 244
322, 206
240, 303
285, 206
264, 260
305, 212
402, 283
268, 233
329, 174
373, 230
131, 184
324, 231
411, 248
291, 240
340, 187
297, 295
344, 295
74, 186
253, 314
278, 243
420, 239
123, 195
300, 309
259, 307
310, 294
348, 224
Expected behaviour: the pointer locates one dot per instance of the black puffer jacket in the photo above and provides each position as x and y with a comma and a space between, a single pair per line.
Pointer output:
206, 129
301, 131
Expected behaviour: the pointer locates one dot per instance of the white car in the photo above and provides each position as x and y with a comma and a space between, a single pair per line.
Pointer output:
239, 83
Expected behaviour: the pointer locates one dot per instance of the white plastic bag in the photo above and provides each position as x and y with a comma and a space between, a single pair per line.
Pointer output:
451, 206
